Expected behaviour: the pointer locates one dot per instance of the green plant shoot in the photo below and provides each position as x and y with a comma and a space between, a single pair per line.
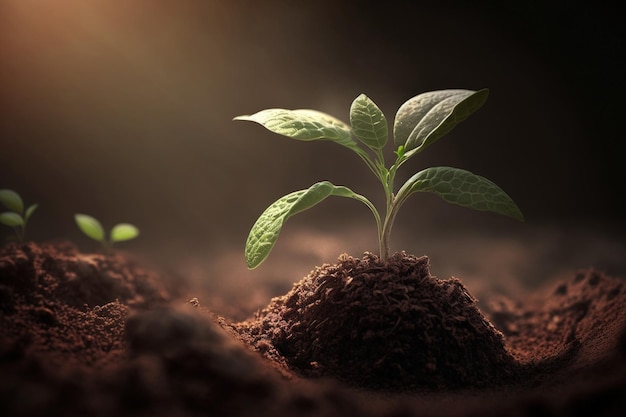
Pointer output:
93, 229
419, 122
16, 216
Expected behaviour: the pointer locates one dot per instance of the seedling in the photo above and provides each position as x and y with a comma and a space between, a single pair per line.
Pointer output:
16, 217
92, 228
419, 123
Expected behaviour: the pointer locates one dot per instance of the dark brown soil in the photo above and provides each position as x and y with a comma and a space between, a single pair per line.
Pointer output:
98, 335
385, 326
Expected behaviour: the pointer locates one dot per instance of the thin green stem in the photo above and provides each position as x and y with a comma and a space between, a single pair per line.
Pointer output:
392, 201
390, 212
390, 218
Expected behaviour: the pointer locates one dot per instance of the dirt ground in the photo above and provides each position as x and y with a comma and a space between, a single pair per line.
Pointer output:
103, 335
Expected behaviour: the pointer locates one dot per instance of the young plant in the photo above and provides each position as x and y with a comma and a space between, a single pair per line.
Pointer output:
92, 228
16, 217
419, 123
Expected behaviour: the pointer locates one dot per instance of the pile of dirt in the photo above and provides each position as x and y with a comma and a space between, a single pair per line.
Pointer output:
382, 325
97, 334
69, 306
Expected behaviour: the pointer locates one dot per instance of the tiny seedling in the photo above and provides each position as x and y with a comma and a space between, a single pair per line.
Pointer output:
17, 216
419, 122
92, 228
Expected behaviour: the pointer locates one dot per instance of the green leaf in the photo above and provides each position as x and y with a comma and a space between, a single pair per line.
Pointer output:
427, 117
303, 124
29, 212
123, 231
90, 226
461, 187
368, 122
12, 200
11, 219
265, 231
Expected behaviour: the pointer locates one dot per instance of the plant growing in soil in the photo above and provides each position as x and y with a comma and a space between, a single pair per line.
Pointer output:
17, 216
93, 229
419, 122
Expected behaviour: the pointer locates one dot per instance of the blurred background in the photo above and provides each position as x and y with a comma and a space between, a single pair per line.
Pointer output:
123, 110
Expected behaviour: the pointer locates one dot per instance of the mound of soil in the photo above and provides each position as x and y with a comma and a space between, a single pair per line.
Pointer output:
383, 325
70, 306
97, 334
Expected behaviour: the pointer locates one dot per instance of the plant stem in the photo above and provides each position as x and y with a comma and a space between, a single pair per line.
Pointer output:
390, 213
390, 217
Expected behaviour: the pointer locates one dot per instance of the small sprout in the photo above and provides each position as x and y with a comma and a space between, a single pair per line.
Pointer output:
93, 229
16, 217
419, 122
